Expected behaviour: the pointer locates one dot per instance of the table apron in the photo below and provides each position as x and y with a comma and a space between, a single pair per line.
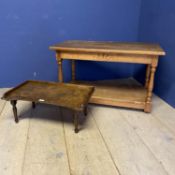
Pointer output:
125, 58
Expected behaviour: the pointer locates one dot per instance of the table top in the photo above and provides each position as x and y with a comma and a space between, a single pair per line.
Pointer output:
66, 95
109, 47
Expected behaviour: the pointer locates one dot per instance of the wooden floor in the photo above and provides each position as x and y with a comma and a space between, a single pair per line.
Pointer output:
112, 141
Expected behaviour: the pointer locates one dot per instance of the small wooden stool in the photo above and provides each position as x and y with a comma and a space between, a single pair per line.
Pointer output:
71, 96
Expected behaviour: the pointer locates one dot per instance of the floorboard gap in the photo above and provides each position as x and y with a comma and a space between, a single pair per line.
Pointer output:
105, 144
67, 153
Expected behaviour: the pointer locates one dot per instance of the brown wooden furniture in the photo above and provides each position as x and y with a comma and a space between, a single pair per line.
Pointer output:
74, 97
123, 95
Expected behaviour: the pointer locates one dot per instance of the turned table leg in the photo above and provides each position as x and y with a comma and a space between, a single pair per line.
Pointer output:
60, 68
33, 105
76, 117
150, 89
148, 69
73, 70
13, 103
85, 111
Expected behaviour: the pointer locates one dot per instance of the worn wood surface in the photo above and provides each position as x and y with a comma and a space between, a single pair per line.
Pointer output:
60, 70
109, 47
164, 113
73, 70
106, 57
126, 147
13, 139
2, 102
87, 152
112, 141
70, 96
122, 92
140, 53
156, 136
45, 149
150, 89
147, 75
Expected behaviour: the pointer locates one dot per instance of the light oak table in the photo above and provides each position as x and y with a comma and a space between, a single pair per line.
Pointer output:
125, 93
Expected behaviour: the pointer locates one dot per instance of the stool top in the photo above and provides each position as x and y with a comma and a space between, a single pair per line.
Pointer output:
66, 95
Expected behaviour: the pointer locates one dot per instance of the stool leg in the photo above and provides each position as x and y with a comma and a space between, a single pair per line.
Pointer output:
13, 103
85, 111
33, 105
73, 70
76, 122
150, 89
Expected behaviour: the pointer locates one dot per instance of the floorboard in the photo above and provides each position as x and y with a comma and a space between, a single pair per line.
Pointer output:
2, 102
2, 105
86, 150
111, 141
164, 113
127, 149
13, 139
156, 136
46, 150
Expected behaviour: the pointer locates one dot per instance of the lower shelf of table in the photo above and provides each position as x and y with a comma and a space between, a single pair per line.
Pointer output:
122, 93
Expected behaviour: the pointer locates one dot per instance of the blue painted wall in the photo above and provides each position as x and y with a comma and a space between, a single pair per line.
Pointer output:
157, 24
28, 28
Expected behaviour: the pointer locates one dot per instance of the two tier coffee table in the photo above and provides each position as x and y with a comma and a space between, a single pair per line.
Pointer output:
123, 93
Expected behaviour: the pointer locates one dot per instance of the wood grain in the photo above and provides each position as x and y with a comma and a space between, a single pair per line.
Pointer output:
121, 92
60, 67
86, 151
137, 53
112, 141
109, 47
73, 70
66, 95
164, 113
124, 58
150, 89
46, 150
2, 102
148, 71
13, 139
2, 105
156, 136
127, 149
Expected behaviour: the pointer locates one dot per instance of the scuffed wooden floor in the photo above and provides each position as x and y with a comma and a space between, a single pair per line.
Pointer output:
112, 141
